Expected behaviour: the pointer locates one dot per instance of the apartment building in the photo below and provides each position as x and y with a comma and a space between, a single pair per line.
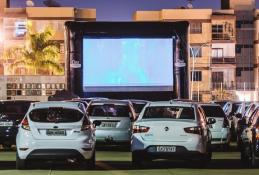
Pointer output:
222, 62
21, 83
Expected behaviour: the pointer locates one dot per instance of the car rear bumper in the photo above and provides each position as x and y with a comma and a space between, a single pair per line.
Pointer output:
113, 136
196, 144
181, 153
54, 154
220, 137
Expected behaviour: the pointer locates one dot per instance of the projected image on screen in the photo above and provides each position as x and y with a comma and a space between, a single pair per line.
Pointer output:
127, 64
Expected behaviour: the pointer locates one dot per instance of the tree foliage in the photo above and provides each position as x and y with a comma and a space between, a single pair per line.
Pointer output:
39, 53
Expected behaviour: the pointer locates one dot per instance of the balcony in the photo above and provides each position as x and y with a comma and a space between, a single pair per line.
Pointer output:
222, 37
246, 86
223, 60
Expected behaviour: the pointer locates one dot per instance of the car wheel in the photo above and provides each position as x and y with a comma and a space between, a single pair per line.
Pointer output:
20, 163
136, 160
90, 163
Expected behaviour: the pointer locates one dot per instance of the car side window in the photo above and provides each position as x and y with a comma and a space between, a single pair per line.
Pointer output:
255, 116
202, 115
252, 117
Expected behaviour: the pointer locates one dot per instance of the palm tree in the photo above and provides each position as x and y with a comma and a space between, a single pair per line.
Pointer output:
40, 53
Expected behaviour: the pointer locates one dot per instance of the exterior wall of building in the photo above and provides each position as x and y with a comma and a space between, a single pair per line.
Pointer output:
201, 40
22, 83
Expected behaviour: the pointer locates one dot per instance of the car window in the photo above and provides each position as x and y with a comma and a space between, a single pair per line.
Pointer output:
255, 116
14, 108
109, 110
172, 112
213, 111
138, 107
55, 115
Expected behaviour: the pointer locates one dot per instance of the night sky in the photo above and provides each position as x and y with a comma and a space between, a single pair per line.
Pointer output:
122, 10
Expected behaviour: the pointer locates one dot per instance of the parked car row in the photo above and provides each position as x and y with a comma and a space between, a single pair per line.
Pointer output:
175, 129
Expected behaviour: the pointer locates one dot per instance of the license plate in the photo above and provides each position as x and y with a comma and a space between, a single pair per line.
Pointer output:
165, 148
4, 124
56, 132
109, 124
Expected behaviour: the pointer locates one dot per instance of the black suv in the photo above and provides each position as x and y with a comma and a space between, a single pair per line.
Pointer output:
11, 114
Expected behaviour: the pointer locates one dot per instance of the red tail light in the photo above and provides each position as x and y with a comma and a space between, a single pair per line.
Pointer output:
140, 129
194, 130
25, 124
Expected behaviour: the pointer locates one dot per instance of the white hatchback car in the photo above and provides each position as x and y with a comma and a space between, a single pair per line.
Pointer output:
171, 130
220, 130
56, 131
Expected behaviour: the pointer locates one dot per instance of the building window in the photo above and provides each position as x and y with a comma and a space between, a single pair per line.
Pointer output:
217, 32
196, 28
217, 53
238, 48
197, 96
196, 51
197, 76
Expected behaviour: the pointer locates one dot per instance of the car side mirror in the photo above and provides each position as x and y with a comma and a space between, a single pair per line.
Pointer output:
97, 123
238, 115
242, 122
211, 121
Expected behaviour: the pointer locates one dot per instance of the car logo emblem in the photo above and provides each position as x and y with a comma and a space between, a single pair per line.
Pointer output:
166, 129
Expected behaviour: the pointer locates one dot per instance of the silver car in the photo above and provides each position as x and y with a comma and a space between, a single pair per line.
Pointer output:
116, 117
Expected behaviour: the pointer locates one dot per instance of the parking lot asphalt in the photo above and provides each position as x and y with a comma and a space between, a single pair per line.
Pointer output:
118, 162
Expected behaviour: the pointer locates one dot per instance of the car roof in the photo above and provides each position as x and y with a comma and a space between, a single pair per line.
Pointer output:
138, 101
15, 101
172, 103
209, 104
125, 102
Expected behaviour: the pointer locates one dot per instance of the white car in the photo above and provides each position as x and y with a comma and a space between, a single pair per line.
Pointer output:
56, 131
220, 130
116, 117
171, 130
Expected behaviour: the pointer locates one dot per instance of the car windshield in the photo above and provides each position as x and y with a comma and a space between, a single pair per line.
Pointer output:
55, 115
213, 111
170, 112
109, 110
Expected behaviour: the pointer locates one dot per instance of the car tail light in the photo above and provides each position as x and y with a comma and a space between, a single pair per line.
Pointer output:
86, 125
194, 130
225, 123
257, 133
140, 129
25, 124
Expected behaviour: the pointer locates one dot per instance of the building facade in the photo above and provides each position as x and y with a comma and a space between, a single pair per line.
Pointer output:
21, 82
223, 49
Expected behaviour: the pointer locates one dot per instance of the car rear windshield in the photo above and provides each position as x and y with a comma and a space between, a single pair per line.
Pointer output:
109, 110
14, 108
55, 115
172, 112
213, 111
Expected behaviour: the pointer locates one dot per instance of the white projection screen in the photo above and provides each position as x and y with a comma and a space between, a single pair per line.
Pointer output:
127, 64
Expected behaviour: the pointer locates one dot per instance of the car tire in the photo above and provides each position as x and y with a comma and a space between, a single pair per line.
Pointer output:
90, 163
136, 159
20, 163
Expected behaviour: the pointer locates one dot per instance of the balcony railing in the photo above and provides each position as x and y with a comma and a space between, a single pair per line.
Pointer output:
233, 86
225, 60
221, 36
